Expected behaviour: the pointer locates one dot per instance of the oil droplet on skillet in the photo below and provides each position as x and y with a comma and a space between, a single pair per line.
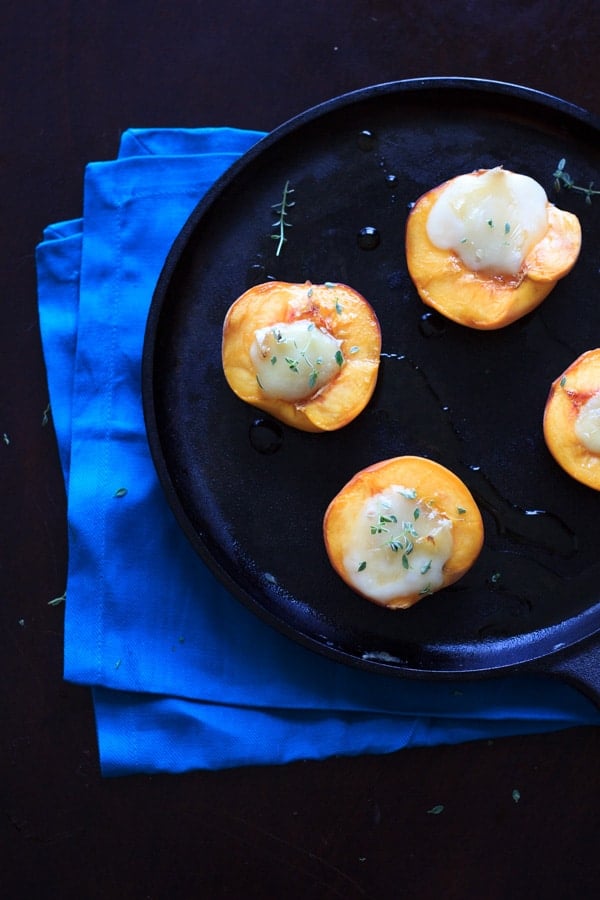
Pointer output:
256, 274
432, 324
266, 436
368, 238
366, 139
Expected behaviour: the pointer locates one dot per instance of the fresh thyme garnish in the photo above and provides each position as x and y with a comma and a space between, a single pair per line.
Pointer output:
382, 522
401, 540
58, 600
45, 416
362, 566
120, 493
562, 179
299, 361
281, 224
563, 381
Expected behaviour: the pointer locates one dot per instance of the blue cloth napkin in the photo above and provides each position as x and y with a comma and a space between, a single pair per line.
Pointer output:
161, 643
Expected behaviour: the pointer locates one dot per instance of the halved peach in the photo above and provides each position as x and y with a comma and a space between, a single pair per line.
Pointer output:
402, 529
483, 299
572, 419
308, 354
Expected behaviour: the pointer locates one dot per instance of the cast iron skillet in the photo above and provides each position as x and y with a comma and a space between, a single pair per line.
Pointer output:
250, 494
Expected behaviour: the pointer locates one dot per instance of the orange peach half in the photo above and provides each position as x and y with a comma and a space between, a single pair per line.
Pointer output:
402, 529
339, 316
481, 299
572, 419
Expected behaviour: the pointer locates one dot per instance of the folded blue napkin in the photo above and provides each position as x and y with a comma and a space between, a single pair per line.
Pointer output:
161, 643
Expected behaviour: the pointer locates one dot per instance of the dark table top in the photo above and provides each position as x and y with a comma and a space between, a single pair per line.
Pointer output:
74, 77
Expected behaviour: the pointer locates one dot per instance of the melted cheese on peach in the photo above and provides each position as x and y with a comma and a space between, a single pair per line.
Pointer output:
294, 360
398, 546
491, 220
587, 424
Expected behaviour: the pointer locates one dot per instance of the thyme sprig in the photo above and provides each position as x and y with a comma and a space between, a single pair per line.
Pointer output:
401, 539
562, 179
294, 362
281, 224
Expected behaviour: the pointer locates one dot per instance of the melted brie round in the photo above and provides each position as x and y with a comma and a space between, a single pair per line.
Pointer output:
398, 546
587, 424
294, 360
491, 220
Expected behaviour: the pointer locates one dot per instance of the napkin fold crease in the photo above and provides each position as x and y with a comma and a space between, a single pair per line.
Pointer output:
183, 676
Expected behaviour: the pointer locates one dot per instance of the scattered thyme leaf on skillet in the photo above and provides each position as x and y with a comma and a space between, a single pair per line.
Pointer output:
282, 223
562, 179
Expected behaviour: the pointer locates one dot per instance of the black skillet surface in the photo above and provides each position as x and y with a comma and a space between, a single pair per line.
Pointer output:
250, 494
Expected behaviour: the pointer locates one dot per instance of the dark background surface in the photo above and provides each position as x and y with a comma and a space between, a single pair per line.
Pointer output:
73, 76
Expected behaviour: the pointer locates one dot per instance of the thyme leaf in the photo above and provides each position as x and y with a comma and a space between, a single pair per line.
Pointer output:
281, 224
562, 180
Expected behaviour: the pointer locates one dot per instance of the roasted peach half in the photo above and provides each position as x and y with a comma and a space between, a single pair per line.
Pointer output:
402, 529
308, 354
572, 419
484, 249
